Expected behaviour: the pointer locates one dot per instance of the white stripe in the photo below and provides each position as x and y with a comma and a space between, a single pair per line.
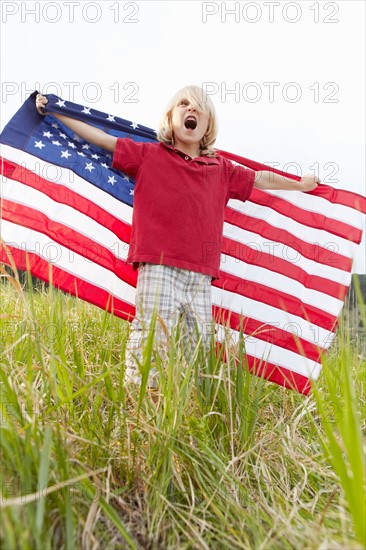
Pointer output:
75, 264
273, 354
339, 212
327, 240
63, 176
282, 283
291, 255
270, 315
65, 215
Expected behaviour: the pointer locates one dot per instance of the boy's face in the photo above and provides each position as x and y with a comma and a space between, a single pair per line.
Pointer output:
189, 124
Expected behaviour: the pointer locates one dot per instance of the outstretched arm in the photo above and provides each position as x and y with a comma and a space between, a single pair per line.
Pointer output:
86, 131
271, 180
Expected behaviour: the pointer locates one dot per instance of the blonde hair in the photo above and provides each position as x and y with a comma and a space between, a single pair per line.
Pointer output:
200, 101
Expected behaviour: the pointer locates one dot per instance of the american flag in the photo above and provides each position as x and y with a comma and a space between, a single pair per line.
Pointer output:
286, 258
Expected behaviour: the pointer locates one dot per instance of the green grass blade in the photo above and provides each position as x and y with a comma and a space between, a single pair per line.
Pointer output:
43, 477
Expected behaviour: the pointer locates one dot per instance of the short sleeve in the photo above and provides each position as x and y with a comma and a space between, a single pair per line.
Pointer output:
241, 181
129, 155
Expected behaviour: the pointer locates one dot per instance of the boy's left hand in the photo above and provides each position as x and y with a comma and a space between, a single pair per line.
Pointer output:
309, 182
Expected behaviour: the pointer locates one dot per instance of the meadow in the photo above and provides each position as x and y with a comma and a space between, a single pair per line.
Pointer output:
225, 459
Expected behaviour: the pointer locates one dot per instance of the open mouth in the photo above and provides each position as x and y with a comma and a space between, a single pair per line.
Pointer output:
190, 122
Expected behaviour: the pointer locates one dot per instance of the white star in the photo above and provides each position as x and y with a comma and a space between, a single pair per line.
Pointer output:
65, 154
81, 154
71, 144
39, 145
86, 110
105, 165
126, 178
63, 135
54, 125
89, 166
134, 125
111, 118
56, 143
47, 134
77, 138
112, 180
86, 146
95, 156
60, 103
131, 191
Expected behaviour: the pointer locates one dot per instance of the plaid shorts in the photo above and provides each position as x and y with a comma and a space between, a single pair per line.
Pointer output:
175, 295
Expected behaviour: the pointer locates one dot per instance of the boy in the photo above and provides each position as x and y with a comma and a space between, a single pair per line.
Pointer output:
181, 189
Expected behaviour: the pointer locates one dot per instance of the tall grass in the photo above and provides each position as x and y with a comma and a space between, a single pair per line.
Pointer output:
341, 435
224, 459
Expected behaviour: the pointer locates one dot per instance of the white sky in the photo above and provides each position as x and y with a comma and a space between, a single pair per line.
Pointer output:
129, 58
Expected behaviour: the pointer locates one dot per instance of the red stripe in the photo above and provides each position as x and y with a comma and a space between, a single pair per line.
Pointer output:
63, 195
69, 238
313, 252
280, 300
274, 373
335, 196
252, 328
273, 263
342, 197
67, 282
268, 333
279, 375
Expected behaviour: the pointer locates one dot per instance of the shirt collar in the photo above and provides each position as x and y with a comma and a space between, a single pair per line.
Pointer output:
203, 159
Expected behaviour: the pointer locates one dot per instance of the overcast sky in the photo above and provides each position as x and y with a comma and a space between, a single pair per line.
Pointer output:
287, 78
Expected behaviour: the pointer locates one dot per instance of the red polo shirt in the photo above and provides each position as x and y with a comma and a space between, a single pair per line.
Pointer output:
179, 203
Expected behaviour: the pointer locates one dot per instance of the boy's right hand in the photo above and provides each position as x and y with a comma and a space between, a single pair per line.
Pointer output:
41, 101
